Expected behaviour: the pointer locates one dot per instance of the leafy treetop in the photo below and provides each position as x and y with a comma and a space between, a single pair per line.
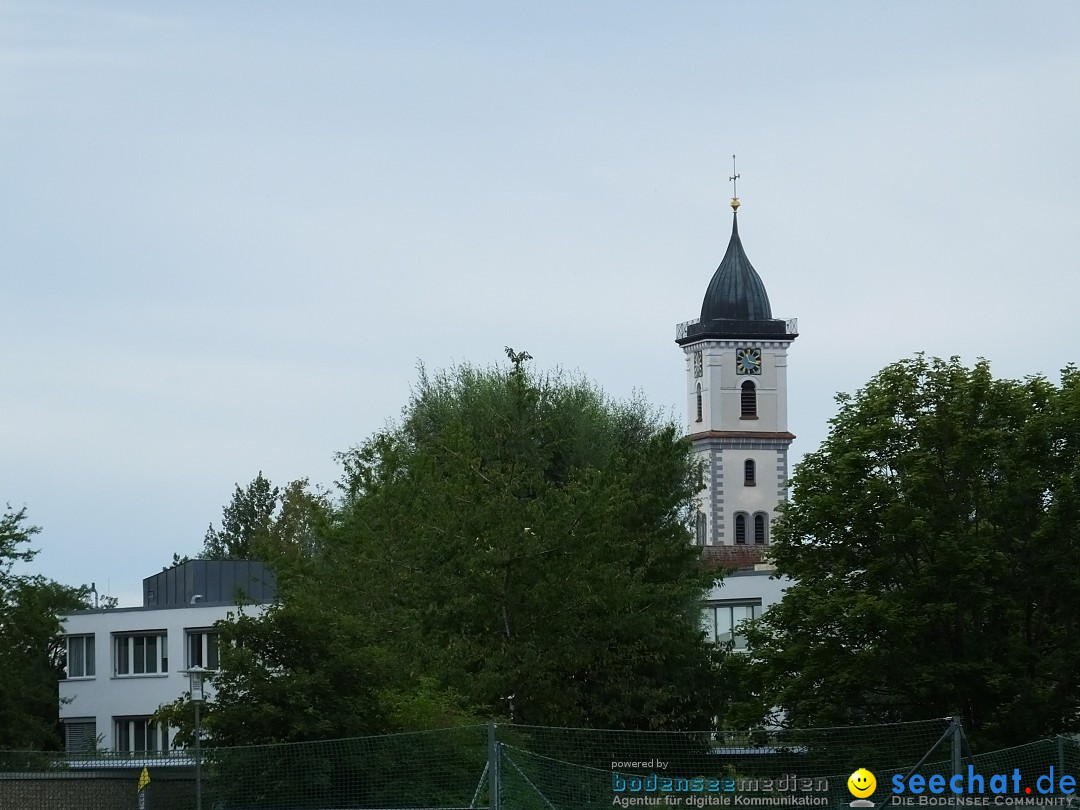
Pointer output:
31, 641
933, 540
517, 546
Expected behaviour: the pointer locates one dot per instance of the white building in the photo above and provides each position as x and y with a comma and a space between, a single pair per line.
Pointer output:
123, 663
736, 388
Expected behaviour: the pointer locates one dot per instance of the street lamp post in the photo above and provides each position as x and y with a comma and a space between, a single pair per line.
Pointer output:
197, 676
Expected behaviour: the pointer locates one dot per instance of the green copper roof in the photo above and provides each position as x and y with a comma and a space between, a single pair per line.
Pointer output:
736, 291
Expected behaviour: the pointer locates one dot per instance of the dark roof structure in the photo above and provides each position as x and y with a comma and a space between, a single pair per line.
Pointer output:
736, 304
210, 582
736, 291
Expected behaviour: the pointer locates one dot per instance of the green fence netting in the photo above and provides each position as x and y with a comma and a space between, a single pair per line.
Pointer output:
516, 767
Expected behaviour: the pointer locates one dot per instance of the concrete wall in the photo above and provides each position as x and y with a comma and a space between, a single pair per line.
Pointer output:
116, 789
107, 695
721, 386
751, 585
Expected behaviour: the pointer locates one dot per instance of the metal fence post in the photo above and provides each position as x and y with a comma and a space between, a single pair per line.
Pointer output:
198, 759
957, 750
493, 768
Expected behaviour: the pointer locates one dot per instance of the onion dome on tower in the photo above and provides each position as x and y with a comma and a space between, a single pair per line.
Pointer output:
736, 304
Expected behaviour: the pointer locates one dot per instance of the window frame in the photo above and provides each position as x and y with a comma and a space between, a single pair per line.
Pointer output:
701, 528
80, 735
131, 731
134, 646
89, 661
748, 400
207, 636
741, 519
699, 408
761, 529
712, 612
749, 473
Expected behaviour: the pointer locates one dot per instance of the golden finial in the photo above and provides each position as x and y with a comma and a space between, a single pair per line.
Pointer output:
734, 187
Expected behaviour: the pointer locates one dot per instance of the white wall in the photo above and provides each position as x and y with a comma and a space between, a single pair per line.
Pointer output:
721, 386
106, 695
750, 585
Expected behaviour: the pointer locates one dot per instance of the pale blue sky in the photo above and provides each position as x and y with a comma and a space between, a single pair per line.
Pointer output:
229, 231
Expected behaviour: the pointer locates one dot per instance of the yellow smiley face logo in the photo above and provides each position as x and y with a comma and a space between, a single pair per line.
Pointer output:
861, 783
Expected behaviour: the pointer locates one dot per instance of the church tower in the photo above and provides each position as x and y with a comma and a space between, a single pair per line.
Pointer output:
736, 388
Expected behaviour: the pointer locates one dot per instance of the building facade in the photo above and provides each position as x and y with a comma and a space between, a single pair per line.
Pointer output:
123, 663
736, 391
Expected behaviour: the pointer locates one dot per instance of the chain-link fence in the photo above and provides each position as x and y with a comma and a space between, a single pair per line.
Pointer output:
513, 767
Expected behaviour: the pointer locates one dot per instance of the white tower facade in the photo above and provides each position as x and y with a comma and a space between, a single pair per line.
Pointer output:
736, 372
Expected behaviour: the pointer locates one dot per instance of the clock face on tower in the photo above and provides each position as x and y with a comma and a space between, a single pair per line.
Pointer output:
697, 364
748, 361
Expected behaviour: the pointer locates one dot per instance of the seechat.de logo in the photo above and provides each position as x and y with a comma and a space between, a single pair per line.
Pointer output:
861, 784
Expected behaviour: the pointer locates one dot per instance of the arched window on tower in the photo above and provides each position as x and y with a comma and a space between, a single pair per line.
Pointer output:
740, 528
749, 400
701, 528
761, 522
699, 402
749, 473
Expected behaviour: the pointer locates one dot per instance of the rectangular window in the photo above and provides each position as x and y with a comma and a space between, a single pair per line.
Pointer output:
202, 649
721, 621
739, 614
80, 736
723, 625
749, 473
142, 654
80, 656
740, 528
708, 624
749, 401
139, 735
701, 528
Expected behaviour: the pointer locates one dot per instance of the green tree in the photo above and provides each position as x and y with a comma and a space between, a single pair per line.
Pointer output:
263, 520
517, 546
934, 542
31, 642
245, 522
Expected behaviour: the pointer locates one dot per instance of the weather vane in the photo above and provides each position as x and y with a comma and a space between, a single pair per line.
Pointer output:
734, 186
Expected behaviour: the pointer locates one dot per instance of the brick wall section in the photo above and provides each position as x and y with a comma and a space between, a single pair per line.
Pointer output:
732, 558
